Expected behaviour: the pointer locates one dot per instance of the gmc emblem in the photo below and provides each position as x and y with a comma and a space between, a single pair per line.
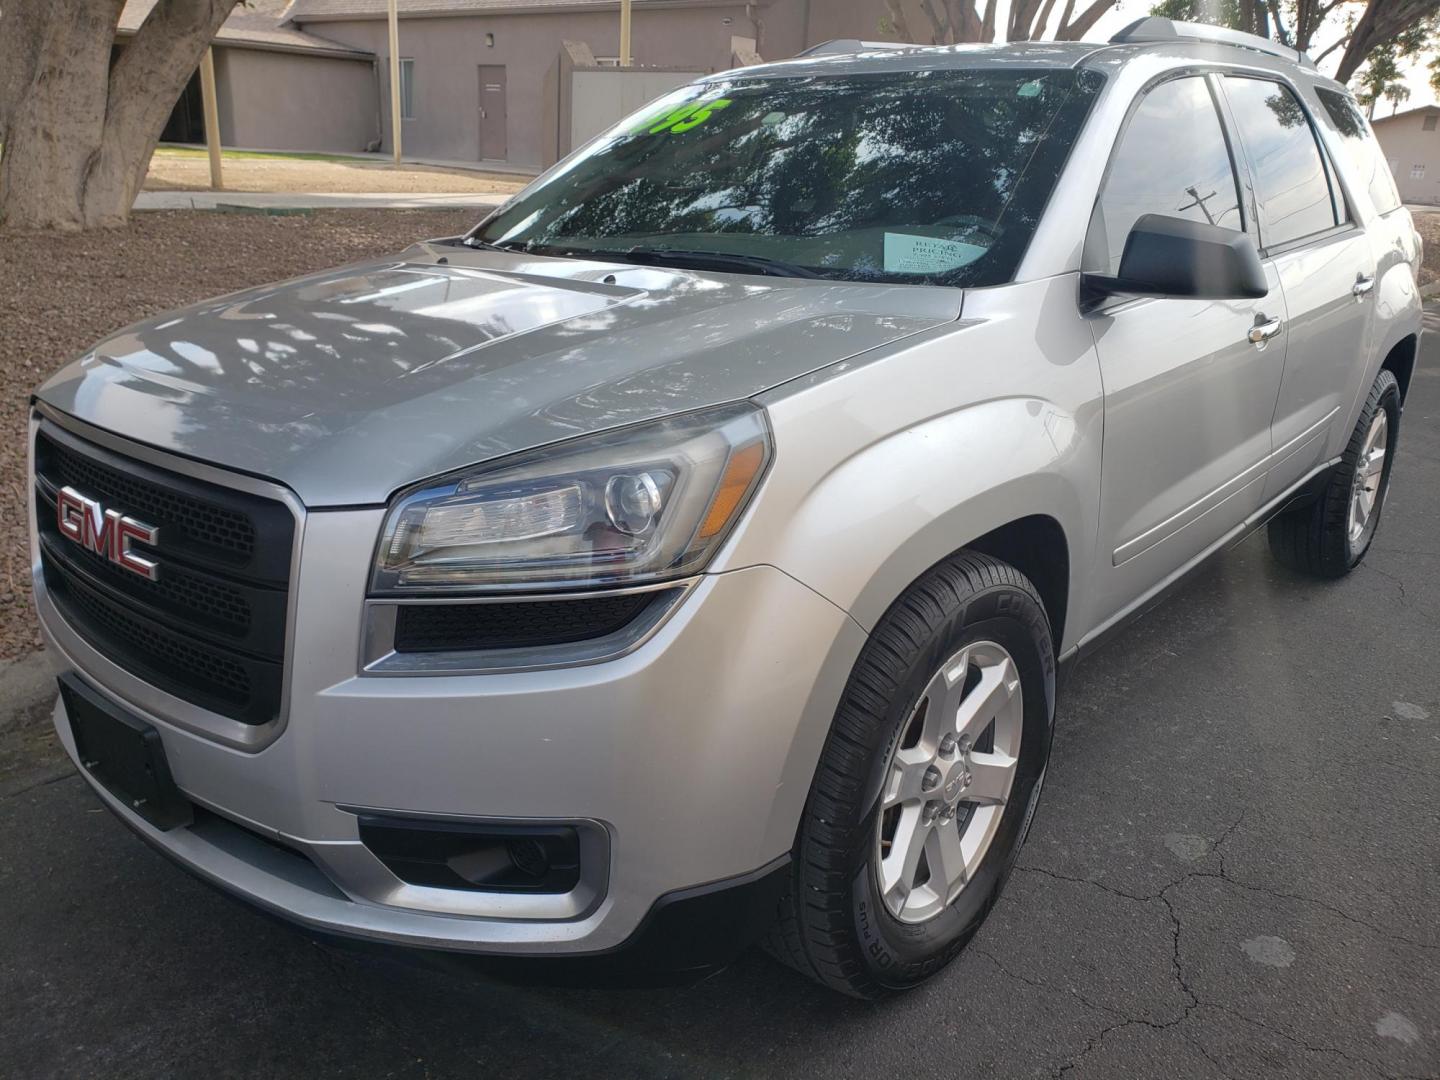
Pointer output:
107, 533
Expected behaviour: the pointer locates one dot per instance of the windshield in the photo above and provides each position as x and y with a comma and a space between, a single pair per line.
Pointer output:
925, 177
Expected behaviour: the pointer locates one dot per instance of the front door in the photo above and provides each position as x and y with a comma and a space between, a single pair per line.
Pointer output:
494, 144
1188, 396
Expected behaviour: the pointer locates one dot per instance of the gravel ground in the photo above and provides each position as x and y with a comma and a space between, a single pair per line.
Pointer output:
187, 171
60, 294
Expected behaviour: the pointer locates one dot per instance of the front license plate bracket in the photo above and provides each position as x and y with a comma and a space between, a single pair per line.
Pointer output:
124, 754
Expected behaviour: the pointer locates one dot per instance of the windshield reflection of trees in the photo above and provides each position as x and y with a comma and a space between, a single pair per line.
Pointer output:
941, 153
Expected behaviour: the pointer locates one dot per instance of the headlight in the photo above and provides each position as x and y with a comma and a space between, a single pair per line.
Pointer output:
642, 504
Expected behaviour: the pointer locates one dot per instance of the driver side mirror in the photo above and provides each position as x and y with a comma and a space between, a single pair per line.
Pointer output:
1168, 256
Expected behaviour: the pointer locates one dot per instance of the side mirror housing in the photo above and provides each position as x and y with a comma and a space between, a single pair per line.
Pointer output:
1168, 256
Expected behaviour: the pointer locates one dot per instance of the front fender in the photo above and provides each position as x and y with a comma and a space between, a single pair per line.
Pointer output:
889, 512
886, 468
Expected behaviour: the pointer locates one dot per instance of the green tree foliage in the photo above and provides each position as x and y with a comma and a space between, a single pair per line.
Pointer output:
1358, 29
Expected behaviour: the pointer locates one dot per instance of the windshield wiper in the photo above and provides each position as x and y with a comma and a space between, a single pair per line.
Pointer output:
713, 260
476, 242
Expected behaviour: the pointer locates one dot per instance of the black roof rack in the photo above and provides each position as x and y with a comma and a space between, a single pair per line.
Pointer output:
845, 46
1154, 29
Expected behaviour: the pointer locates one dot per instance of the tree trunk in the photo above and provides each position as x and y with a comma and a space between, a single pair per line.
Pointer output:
80, 134
22, 27
56, 122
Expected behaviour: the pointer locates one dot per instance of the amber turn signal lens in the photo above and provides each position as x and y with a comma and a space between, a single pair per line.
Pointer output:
740, 474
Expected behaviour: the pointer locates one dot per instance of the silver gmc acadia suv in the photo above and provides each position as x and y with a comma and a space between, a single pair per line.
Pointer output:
688, 555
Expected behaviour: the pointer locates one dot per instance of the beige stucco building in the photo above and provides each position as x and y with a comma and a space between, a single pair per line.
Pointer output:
475, 78
1411, 141
479, 78
278, 87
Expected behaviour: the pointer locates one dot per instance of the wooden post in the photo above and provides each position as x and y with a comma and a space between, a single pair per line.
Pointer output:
396, 120
212, 118
626, 55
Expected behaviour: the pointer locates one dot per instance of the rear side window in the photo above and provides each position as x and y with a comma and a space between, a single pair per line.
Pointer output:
1171, 160
1357, 143
1290, 176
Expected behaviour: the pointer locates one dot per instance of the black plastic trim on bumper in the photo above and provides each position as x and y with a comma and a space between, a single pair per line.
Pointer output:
686, 935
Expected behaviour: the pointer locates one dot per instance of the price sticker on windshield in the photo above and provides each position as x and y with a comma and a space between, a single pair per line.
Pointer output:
906, 254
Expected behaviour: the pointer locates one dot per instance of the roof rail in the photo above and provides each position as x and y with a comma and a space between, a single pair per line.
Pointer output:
844, 46
1155, 28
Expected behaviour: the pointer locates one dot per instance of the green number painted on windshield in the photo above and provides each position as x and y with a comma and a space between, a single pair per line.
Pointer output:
700, 115
686, 118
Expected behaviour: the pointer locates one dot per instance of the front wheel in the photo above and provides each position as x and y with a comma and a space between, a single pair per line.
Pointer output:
1328, 538
927, 782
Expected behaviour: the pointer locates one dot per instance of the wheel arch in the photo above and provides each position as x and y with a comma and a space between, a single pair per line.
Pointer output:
1035, 545
1031, 522
1400, 361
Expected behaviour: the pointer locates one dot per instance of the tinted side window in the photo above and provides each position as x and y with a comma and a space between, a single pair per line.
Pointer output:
1171, 160
1290, 176
1357, 143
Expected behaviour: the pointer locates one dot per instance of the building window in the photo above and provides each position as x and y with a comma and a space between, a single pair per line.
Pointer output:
607, 61
1429, 124
1417, 172
407, 89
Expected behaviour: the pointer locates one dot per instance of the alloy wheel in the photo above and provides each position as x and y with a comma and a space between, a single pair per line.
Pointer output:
1369, 473
948, 780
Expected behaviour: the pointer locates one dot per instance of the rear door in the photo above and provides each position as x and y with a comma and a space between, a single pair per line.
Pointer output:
1188, 396
1325, 265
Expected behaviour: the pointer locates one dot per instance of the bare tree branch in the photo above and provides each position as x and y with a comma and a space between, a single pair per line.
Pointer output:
898, 20
1081, 26
1382, 22
1276, 21
987, 24
939, 22
1331, 48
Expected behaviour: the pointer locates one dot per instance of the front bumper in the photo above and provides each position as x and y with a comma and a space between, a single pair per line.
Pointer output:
690, 757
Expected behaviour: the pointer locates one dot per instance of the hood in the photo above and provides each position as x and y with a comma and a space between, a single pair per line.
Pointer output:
347, 385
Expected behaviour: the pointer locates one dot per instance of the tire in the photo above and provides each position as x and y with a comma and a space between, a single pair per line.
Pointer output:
1320, 539
836, 924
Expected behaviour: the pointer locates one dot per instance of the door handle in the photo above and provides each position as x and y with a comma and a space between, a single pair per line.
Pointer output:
1362, 285
1262, 332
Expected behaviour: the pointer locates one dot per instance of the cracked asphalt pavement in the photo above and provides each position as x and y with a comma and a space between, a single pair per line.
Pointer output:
1235, 872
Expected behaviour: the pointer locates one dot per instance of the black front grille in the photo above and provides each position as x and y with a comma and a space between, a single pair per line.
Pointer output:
514, 625
202, 522
211, 628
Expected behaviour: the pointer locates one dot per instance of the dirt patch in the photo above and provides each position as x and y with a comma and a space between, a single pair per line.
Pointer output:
60, 294
171, 171
30, 754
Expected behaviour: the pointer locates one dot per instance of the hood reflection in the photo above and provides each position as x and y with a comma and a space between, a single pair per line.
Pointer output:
349, 384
